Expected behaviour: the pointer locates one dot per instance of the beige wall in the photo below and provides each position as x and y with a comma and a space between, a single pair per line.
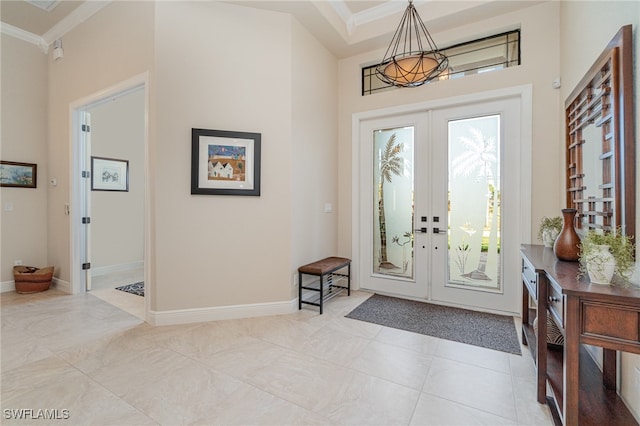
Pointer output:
314, 177
210, 251
227, 250
580, 49
110, 47
117, 218
540, 66
24, 139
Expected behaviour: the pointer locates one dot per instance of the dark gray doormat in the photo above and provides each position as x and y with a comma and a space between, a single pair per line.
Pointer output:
137, 288
491, 331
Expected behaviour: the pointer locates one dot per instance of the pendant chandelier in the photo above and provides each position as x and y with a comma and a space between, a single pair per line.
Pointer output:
412, 57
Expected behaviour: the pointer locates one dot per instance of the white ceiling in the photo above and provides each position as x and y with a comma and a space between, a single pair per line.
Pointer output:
345, 27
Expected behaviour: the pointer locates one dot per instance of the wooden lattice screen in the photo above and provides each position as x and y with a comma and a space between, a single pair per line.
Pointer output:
600, 141
595, 205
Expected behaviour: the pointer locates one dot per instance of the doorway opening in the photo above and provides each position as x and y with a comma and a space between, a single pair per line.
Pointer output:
109, 209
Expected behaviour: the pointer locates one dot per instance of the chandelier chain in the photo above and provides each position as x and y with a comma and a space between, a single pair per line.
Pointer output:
409, 67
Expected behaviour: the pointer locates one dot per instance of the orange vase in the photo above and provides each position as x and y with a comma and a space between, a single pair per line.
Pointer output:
566, 246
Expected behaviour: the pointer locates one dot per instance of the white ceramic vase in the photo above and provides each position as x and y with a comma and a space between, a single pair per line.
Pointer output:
549, 237
601, 265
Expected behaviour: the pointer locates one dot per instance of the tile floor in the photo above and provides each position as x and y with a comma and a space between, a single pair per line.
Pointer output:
106, 366
103, 287
117, 278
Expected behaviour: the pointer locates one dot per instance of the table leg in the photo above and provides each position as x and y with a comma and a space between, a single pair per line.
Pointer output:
571, 376
609, 369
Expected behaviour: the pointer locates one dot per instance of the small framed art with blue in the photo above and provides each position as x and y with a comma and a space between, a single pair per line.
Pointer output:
225, 162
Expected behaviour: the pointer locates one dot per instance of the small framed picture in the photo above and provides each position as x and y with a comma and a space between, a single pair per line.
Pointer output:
109, 174
18, 175
224, 162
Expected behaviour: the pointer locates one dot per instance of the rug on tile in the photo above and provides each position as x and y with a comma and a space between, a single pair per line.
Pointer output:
137, 288
483, 329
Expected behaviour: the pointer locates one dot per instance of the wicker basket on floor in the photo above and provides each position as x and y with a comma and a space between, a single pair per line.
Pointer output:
32, 280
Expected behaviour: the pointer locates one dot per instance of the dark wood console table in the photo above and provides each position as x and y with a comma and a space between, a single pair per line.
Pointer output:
604, 316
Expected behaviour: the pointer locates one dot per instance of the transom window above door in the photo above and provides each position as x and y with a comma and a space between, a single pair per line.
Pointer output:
478, 56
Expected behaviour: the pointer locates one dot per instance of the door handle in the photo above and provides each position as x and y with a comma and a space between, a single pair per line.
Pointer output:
423, 230
438, 231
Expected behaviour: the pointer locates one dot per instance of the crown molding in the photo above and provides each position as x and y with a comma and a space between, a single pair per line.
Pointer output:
23, 35
380, 12
353, 20
46, 5
344, 13
75, 18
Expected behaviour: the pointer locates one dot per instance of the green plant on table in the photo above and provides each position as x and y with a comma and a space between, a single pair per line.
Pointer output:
549, 224
620, 246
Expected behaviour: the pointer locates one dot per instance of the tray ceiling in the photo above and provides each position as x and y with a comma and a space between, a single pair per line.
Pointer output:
345, 27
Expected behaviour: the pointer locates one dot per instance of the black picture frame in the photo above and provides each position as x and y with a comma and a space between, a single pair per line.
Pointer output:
18, 175
109, 174
225, 162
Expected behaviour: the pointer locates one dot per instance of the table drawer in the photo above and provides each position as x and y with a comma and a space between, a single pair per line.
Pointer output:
530, 278
556, 303
611, 321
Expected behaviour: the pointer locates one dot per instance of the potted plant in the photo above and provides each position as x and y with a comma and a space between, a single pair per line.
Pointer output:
549, 229
603, 255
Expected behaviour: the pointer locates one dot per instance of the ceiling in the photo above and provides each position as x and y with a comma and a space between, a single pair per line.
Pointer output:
345, 27
34, 19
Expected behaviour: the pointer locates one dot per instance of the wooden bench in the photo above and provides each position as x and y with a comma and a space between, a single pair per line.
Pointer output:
327, 284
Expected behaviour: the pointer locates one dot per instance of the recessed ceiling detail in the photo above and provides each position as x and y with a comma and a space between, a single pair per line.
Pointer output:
345, 27
47, 5
50, 28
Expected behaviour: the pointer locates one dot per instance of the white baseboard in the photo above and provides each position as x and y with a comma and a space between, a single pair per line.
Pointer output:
57, 283
187, 316
61, 285
121, 267
6, 286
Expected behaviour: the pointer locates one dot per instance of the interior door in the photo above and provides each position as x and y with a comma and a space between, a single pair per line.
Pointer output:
85, 203
475, 188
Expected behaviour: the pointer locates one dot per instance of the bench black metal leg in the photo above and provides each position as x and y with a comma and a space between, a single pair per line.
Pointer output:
299, 290
321, 295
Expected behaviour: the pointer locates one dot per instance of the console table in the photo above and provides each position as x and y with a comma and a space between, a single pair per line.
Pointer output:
599, 315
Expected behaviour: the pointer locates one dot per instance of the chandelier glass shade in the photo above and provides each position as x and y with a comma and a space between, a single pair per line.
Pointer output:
412, 57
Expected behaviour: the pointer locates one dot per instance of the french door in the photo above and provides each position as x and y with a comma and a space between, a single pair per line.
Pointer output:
393, 256
439, 205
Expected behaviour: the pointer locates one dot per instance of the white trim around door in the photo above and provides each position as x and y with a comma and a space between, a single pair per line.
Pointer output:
76, 109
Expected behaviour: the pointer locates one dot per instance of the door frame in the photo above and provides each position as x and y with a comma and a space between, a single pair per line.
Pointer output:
138, 82
525, 95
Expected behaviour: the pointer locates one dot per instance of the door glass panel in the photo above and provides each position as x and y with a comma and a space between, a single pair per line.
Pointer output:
474, 203
393, 158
